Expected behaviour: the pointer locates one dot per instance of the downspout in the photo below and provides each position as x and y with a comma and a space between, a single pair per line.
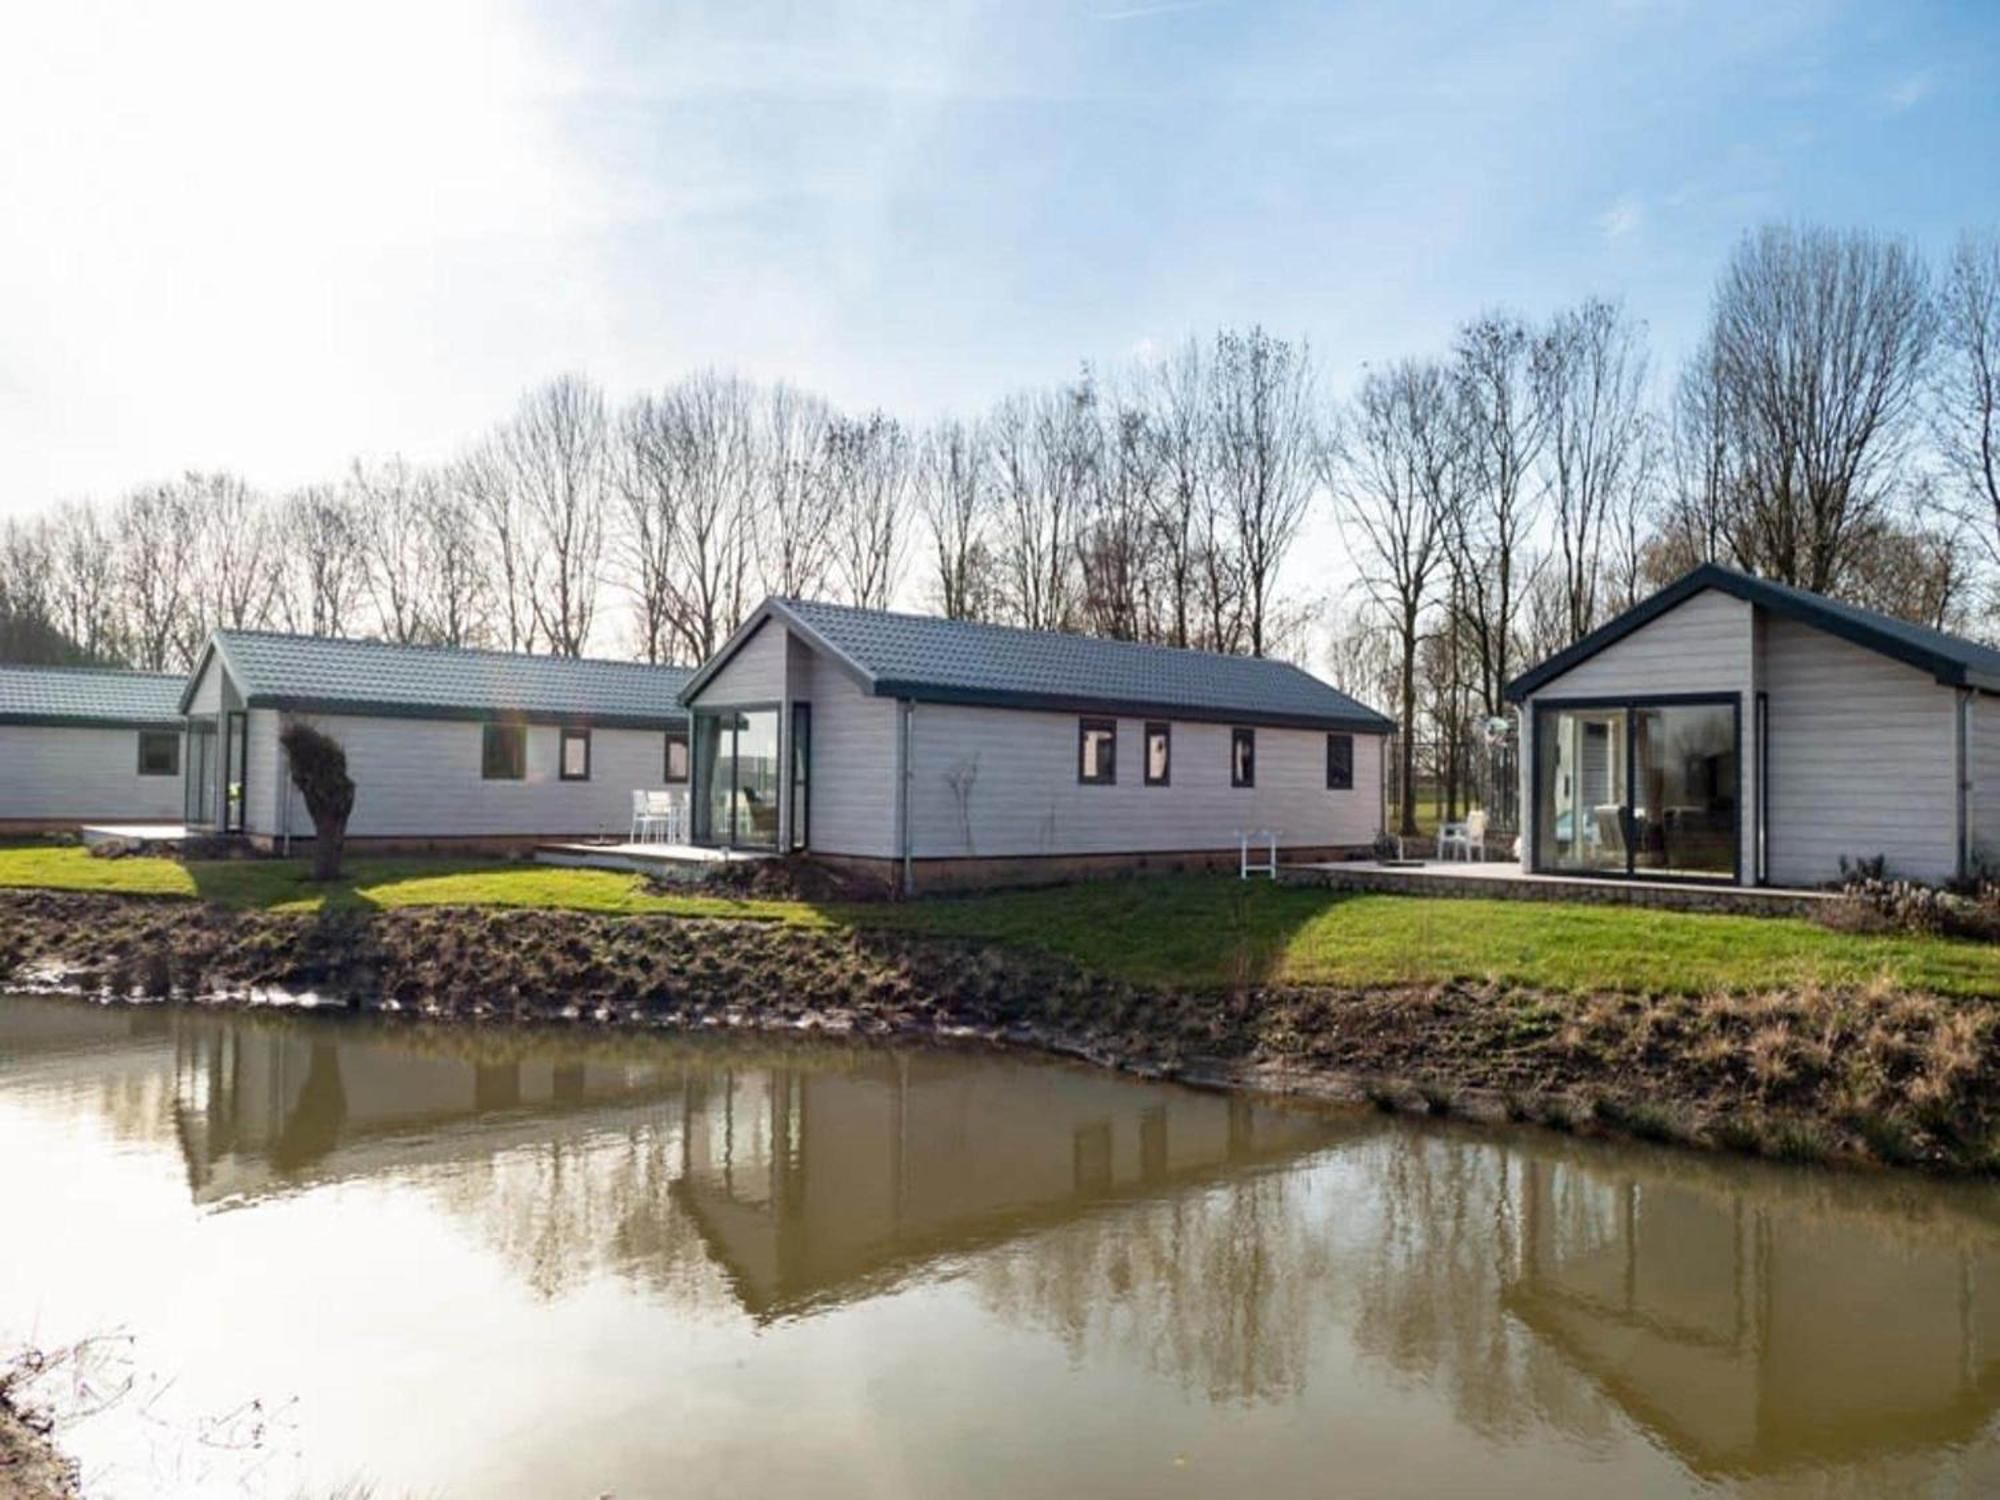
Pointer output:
1965, 809
907, 712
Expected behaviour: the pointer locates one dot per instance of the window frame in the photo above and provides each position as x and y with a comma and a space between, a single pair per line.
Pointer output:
1345, 781
489, 735
1242, 770
568, 733
173, 738
684, 737
1107, 774
1165, 731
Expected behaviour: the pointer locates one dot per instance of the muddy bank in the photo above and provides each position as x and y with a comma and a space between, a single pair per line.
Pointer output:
1870, 1074
31, 1467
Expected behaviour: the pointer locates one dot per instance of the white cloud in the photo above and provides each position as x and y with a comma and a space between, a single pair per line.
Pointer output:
1622, 218
1907, 92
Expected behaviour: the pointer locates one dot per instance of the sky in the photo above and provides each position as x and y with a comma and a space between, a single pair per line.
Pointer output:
271, 237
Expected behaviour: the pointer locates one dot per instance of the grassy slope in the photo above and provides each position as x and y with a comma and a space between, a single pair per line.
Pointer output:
1191, 929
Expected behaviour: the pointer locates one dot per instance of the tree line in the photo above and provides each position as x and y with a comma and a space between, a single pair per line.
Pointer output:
1837, 427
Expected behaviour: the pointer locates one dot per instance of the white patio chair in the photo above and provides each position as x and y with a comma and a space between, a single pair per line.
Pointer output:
1465, 840
646, 819
668, 811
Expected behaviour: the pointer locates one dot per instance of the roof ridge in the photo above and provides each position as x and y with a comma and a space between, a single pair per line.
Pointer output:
1035, 632
97, 671
239, 632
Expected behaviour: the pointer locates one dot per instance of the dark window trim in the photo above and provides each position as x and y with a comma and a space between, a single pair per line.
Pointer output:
1108, 774
1239, 735
236, 732
172, 737
684, 737
1630, 705
1344, 780
564, 736
1166, 731
487, 734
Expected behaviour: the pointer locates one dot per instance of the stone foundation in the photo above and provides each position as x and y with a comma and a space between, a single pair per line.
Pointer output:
938, 876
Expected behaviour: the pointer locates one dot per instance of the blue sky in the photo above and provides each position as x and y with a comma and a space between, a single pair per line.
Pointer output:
237, 236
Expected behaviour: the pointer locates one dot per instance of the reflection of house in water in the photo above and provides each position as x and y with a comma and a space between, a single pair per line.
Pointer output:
813, 1186
269, 1108
1756, 1325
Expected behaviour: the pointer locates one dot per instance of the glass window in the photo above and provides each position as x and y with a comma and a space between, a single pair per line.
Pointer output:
1580, 789
504, 752
1097, 752
736, 802
575, 755
1340, 763
159, 752
1242, 757
1631, 788
676, 770
1159, 754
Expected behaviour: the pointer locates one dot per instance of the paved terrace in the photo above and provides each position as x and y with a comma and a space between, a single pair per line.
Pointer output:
1504, 880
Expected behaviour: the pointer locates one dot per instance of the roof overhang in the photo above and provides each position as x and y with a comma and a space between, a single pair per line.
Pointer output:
86, 721
772, 609
920, 692
1754, 591
359, 708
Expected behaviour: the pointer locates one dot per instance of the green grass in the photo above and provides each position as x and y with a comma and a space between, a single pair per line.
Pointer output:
281, 884
1195, 930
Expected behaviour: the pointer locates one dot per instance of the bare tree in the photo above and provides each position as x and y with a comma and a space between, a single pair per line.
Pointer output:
708, 420
647, 539
1264, 455
1590, 375
1820, 341
1396, 470
155, 528
868, 480
1966, 395
1114, 538
794, 517
458, 607
1505, 421
236, 564
951, 486
485, 480
392, 501
1183, 498
1696, 527
320, 534
83, 582
1044, 451
551, 458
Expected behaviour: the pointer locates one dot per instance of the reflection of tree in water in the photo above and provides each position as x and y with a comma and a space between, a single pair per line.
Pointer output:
568, 1210
1214, 1289
312, 1126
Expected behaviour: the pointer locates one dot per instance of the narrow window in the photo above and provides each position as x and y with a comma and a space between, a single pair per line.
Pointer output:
1340, 763
675, 772
575, 755
1097, 752
1242, 757
504, 752
1159, 754
159, 752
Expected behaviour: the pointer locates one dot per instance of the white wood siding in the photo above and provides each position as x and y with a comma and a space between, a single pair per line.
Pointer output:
1021, 796
1703, 645
853, 762
755, 674
1985, 772
76, 774
420, 778
1863, 759
208, 688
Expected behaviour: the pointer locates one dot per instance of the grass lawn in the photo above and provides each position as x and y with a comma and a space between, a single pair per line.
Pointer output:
1173, 929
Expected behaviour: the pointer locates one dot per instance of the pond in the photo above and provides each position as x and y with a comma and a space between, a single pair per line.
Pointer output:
314, 1256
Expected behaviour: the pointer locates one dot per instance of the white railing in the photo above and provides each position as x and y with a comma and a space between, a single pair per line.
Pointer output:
1266, 866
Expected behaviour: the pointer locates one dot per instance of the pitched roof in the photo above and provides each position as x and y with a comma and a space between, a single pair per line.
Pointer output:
88, 696
957, 661
319, 674
1951, 659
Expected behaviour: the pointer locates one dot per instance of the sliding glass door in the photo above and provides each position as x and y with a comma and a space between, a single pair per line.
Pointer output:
737, 778
1581, 765
1686, 788
1646, 788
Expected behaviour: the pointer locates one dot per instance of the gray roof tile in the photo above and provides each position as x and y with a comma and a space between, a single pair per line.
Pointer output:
931, 659
88, 695
317, 673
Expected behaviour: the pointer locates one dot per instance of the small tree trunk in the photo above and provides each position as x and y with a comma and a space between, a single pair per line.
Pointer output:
328, 842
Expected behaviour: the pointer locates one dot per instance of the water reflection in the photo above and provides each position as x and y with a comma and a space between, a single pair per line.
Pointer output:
1548, 1296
